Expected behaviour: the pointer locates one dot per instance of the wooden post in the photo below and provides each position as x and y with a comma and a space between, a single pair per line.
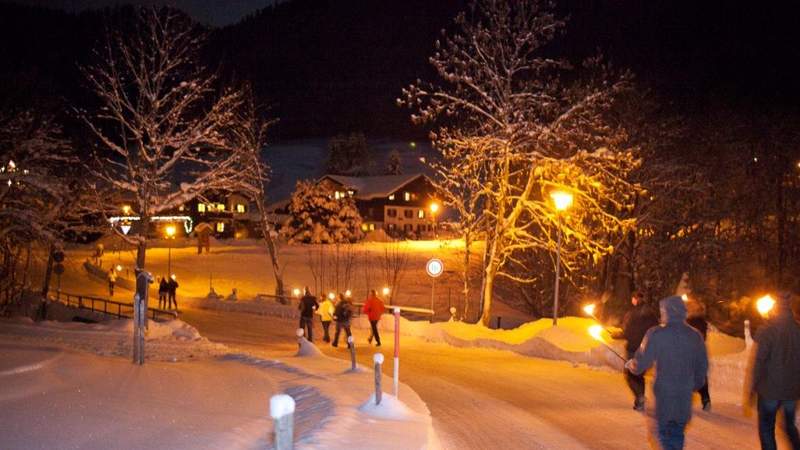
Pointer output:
352, 345
377, 358
281, 408
396, 367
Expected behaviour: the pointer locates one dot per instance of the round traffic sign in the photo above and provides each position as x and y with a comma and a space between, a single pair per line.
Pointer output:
434, 267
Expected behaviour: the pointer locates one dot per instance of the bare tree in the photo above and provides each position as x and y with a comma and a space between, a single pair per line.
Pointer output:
534, 124
161, 119
394, 264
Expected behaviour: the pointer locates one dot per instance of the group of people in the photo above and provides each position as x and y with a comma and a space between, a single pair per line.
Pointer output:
341, 313
167, 289
675, 344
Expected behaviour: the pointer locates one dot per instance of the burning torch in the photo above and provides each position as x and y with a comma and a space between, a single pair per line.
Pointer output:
596, 332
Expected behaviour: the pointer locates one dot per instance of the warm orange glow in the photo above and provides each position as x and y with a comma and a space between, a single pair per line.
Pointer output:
596, 332
589, 309
118, 268
126, 209
348, 293
765, 304
170, 230
331, 295
434, 208
561, 199
296, 292
685, 297
386, 291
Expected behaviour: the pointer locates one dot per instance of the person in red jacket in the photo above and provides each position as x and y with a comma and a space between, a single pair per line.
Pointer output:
374, 308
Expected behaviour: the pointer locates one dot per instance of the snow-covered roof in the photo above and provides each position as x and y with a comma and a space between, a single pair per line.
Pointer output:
368, 188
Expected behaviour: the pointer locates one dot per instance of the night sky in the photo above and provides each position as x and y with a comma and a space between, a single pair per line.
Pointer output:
212, 12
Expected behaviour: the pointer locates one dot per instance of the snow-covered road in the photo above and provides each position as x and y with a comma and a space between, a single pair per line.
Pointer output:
483, 398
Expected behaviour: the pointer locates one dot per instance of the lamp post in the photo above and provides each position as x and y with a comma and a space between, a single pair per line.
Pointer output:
170, 230
434, 209
562, 201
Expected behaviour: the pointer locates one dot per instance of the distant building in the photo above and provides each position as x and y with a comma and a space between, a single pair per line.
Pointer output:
398, 204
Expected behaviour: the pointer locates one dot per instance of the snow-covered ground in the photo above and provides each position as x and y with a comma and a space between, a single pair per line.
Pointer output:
60, 391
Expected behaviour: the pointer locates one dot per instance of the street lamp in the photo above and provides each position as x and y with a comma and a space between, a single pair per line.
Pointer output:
765, 304
562, 201
434, 209
126, 209
386, 291
170, 230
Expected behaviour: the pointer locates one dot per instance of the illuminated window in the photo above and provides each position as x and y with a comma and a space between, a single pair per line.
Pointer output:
391, 197
363, 227
372, 227
350, 193
240, 208
407, 196
220, 207
421, 213
201, 207
337, 195
220, 227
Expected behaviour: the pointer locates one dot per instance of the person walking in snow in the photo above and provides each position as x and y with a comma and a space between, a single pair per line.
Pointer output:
163, 290
342, 314
697, 320
308, 305
374, 308
635, 324
172, 289
681, 362
775, 379
325, 312
112, 279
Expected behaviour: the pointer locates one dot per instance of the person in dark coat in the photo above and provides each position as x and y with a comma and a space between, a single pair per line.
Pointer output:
635, 324
697, 320
308, 305
172, 290
776, 373
163, 289
681, 362
342, 315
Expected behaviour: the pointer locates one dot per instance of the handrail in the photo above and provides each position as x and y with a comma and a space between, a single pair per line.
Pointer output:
88, 302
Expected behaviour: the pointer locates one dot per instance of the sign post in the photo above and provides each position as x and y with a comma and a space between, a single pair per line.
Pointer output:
434, 267
396, 367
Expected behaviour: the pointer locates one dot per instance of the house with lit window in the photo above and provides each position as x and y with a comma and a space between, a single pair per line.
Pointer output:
401, 205
229, 215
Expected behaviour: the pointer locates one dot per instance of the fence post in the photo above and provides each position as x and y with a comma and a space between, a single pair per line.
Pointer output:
396, 367
377, 358
352, 345
281, 408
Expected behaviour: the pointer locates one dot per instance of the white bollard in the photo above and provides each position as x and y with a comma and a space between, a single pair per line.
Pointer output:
300, 333
748, 338
281, 409
453, 314
377, 358
352, 345
396, 367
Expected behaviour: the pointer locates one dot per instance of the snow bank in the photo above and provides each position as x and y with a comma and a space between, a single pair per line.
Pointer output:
391, 408
259, 305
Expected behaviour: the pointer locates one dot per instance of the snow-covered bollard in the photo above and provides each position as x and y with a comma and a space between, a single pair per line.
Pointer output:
300, 334
352, 346
281, 409
378, 360
453, 314
748, 338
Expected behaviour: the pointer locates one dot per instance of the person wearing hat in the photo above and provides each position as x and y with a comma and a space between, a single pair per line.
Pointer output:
635, 324
681, 361
776, 373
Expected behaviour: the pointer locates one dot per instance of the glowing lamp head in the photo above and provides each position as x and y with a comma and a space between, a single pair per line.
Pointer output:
684, 297
386, 291
765, 304
331, 296
434, 207
170, 230
296, 292
126, 209
596, 332
118, 268
562, 200
589, 309
348, 293
173, 277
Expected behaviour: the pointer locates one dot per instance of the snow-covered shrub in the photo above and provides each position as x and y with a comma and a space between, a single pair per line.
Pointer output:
317, 217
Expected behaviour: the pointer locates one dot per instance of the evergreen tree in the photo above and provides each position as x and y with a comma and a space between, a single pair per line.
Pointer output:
319, 218
393, 166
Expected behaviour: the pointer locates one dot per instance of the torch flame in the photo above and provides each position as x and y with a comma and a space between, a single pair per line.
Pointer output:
765, 305
596, 332
685, 298
589, 309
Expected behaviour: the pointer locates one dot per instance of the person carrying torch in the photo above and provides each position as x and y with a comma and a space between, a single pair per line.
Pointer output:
635, 324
